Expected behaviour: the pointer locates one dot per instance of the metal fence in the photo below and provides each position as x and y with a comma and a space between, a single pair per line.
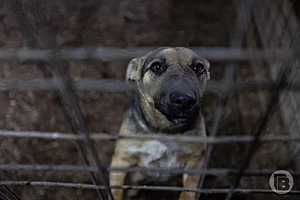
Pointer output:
282, 59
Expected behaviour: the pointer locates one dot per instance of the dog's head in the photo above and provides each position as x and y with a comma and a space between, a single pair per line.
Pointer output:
170, 83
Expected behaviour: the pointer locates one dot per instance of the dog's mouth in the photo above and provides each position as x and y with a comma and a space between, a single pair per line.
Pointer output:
179, 116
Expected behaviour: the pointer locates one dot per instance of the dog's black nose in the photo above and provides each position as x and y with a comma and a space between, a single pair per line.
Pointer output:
182, 101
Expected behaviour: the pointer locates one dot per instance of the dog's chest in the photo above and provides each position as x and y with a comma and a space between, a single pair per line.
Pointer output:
157, 154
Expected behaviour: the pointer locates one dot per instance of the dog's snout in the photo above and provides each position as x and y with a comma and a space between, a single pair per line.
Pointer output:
181, 100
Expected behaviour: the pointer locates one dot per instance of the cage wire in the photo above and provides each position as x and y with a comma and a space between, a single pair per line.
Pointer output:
266, 34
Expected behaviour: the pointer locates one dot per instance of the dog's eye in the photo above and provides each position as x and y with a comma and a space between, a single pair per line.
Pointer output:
157, 68
198, 68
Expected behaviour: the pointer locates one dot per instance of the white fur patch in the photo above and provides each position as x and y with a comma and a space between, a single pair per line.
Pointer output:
154, 153
149, 152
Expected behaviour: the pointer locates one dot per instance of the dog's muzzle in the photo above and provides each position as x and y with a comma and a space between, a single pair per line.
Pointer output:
182, 101
179, 107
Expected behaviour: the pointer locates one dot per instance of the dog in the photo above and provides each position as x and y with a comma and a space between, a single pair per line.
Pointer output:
169, 86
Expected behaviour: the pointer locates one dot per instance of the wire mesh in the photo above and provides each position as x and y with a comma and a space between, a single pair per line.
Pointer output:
273, 22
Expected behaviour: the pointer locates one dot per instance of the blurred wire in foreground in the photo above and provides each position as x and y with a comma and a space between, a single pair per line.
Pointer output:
138, 187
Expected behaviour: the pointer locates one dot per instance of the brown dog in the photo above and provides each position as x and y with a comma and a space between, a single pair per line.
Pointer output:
170, 83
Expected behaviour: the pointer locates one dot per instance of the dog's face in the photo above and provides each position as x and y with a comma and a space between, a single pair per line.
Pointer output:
170, 83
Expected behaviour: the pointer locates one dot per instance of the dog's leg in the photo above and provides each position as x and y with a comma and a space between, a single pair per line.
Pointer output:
120, 159
118, 178
189, 182
192, 181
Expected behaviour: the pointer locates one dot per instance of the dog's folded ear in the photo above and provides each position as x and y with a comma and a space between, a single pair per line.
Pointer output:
134, 70
207, 66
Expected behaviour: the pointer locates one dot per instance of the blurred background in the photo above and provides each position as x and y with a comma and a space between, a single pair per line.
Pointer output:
249, 43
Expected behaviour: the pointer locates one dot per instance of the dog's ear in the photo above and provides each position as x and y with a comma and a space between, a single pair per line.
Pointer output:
207, 67
134, 70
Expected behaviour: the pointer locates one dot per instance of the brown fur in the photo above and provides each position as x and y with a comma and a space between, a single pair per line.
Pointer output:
148, 119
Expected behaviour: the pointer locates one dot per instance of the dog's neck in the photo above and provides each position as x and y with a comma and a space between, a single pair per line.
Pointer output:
139, 117
142, 123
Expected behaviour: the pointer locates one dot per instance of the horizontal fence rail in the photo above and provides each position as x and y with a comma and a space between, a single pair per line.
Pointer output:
161, 137
111, 53
140, 187
118, 86
84, 169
